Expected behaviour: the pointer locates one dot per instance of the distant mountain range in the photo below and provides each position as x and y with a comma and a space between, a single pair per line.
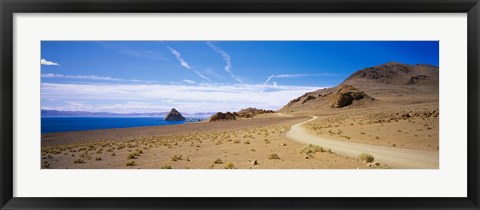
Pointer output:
52, 113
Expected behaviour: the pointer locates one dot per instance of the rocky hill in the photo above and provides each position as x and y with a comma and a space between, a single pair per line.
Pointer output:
370, 85
251, 112
244, 113
174, 115
223, 116
395, 74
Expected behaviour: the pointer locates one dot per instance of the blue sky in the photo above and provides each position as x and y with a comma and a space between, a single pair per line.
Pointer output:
197, 76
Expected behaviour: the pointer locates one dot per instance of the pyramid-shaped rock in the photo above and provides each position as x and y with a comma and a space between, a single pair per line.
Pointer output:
174, 115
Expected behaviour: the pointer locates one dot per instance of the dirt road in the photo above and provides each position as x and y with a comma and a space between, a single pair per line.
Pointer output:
393, 157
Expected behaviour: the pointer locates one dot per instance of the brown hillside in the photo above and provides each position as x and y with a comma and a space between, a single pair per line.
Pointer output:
387, 83
395, 74
336, 97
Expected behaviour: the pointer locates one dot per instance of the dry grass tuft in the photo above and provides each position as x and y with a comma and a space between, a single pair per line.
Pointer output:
273, 156
229, 165
367, 157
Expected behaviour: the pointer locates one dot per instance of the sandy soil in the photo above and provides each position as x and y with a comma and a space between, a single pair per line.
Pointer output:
407, 126
244, 144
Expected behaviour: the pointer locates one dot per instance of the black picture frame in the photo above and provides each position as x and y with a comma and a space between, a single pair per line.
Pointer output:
10, 7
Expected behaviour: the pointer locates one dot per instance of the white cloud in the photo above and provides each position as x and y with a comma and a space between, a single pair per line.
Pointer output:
168, 101
92, 77
228, 61
202, 76
189, 81
89, 77
128, 107
295, 76
212, 72
189, 98
48, 63
185, 64
143, 54
179, 58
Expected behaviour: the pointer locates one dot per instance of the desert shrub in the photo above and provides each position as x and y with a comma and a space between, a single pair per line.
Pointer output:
247, 142
309, 149
229, 165
113, 154
218, 161
166, 167
176, 157
131, 156
273, 156
236, 141
131, 163
79, 161
367, 157
98, 158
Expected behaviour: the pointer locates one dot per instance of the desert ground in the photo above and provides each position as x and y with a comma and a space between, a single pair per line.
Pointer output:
243, 144
380, 117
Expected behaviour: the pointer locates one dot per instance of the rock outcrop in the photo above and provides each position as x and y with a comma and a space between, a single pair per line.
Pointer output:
418, 80
223, 116
244, 113
174, 115
346, 95
251, 112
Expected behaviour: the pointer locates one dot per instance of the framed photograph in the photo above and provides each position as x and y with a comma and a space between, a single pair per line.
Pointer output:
239, 105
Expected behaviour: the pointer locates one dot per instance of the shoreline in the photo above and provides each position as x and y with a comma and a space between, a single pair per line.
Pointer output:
71, 137
55, 124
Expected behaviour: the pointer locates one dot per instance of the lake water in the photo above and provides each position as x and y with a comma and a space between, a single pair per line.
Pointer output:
59, 124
